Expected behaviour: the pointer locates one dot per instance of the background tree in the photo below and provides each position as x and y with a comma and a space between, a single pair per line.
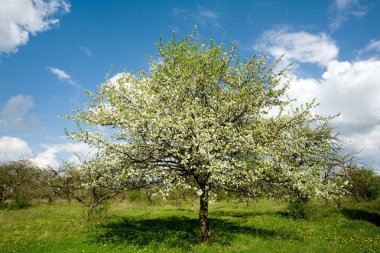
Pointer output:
363, 183
94, 182
22, 181
204, 116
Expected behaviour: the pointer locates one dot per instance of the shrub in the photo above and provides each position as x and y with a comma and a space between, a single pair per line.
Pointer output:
363, 184
134, 195
299, 209
18, 202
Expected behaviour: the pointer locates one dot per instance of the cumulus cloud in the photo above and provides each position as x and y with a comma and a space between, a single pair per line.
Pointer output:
367, 144
53, 155
298, 46
15, 114
12, 149
20, 18
351, 89
342, 85
61, 75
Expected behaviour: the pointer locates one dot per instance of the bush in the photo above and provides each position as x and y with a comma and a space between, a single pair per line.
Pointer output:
299, 209
18, 202
134, 195
363, 184
221, 196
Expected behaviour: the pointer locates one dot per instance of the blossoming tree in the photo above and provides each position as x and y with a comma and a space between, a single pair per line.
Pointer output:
203, 118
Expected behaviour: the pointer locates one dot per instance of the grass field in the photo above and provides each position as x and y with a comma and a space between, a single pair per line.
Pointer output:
139, 227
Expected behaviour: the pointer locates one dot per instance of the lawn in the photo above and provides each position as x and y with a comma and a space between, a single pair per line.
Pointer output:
140, 227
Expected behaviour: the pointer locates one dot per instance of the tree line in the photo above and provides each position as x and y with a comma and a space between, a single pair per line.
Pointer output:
23, 184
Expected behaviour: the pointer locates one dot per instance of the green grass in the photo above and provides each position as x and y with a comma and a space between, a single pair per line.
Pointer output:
139, 227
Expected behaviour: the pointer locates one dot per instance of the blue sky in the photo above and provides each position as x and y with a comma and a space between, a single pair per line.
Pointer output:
50, 51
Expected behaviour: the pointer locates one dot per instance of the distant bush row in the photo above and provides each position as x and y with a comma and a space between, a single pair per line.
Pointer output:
22, 184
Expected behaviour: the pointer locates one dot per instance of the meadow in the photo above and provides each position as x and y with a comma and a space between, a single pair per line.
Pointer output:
136, 226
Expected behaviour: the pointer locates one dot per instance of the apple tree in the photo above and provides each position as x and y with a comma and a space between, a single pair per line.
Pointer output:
203, 117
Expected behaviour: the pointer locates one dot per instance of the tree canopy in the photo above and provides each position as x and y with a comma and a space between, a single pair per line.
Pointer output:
202, 117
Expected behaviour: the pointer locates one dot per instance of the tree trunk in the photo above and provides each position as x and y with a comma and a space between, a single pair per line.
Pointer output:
203, 216
70, 197
90, 213
248, 201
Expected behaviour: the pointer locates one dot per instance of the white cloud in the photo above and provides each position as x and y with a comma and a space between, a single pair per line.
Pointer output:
86, 51
201, 16
367, 143
178, 11
298, 46
343, 9
205, 17
344, 4
119, 78
371, 50
116, 77
351, 89
12, 149
373, 45
15, 114
61, 74
19, 18
55, 154
208, 14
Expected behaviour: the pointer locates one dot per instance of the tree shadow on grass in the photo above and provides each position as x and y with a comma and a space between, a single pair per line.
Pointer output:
354, 214
239, 214
176, 232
